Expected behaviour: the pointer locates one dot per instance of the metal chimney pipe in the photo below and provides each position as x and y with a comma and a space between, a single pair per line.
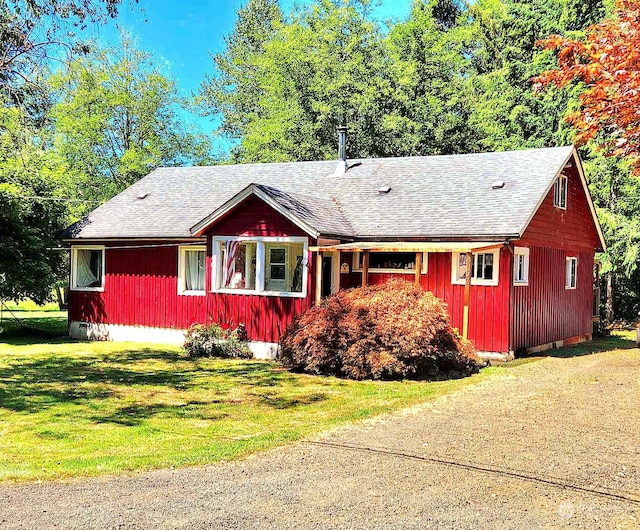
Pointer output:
342, 167
342, 142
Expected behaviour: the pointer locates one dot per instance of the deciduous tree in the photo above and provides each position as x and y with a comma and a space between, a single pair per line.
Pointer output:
607, 62
30, 213
116, 118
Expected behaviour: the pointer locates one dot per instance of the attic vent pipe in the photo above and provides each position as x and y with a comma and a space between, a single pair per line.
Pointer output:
498, 184
342, 167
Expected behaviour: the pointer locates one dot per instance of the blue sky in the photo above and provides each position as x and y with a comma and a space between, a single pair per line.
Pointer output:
182, 34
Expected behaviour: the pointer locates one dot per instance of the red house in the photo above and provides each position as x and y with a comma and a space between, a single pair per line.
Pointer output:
506, 239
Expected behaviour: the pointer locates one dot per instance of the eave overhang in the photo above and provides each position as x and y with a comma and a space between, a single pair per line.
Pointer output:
414, 246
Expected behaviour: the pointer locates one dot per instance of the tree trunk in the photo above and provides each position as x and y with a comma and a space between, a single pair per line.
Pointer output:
609, 306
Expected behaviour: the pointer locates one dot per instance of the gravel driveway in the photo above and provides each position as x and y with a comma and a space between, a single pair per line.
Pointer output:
553, 443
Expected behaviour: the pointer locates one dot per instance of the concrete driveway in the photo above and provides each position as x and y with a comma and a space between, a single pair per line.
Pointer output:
553, 443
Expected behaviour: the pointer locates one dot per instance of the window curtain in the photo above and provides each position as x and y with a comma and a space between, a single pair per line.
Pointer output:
86, 275
230, 251
194, 270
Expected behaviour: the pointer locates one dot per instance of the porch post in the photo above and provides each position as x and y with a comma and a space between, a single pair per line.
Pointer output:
318, 277
467, 291
338, 273
418, 267
365, 267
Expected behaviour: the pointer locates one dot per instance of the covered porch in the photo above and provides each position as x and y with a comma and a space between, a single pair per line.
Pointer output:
331, 254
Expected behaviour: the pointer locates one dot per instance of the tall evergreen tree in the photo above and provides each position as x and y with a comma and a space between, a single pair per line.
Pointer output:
426, 108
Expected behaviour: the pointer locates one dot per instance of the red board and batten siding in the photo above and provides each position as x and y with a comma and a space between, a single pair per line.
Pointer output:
572, 229
488, 305
545, 311
141, 285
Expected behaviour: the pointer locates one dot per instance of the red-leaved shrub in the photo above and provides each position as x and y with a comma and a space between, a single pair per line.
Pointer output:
389, 331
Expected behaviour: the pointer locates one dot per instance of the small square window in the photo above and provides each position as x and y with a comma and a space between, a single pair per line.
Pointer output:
191, 276
560, 192
571, 279
484, 270
520, 266
87, 271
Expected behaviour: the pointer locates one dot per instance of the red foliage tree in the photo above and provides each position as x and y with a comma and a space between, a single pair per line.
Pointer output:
608, 63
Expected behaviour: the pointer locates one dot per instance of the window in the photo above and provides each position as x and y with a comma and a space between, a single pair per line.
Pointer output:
484, 269
560, 192
87, 268
520, 266
397, 262
260, 265
571, 280
238, 264
191, 270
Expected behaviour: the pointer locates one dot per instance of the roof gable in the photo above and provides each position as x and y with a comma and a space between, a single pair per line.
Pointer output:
566, 226
284, 204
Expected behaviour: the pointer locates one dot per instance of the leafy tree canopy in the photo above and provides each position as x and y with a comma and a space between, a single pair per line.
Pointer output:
28, 224
116, 118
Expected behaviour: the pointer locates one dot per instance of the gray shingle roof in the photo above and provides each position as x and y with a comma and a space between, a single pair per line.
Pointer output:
430, 197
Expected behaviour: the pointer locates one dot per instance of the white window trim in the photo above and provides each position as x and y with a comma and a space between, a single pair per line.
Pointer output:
216, 265
566, 273
477, 281
74, 265
566, 186
182, 250
521, 251
355, 266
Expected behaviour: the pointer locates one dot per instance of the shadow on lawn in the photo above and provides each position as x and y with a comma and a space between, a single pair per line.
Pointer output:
598, 345
33, 383
43, 330
135, 414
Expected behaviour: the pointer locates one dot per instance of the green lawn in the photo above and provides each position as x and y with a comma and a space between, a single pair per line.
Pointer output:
78, 408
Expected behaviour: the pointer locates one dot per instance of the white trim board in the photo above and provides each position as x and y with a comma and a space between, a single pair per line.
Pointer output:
120, 333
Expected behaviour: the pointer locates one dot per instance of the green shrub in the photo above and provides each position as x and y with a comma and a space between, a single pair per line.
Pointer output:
389, 331
213, 341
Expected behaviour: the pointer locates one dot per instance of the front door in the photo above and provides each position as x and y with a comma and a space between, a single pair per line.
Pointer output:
327, 275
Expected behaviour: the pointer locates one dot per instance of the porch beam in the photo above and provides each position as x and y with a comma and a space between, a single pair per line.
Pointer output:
318, 277
365, 267
418, 266
467, 293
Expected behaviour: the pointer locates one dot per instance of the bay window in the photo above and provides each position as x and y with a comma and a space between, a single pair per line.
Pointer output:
260, 265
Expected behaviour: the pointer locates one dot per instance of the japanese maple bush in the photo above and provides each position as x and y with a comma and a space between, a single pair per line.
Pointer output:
389, 331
